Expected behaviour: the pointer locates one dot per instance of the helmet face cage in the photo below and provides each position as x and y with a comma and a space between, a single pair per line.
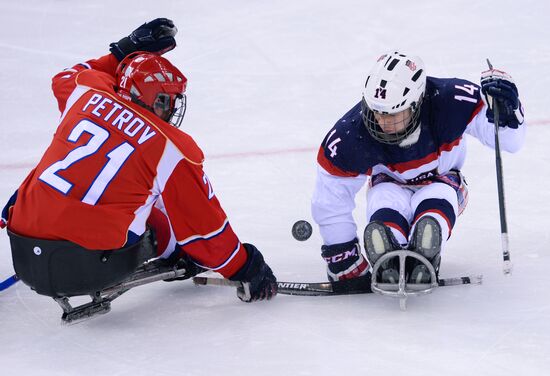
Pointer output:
178, 110
170, 108
412, 122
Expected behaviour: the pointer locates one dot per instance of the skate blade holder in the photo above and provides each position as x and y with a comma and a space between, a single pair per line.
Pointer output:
72, 314
101, 300
403, 290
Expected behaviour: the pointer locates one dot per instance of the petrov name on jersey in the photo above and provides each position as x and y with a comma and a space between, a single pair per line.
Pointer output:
119, 117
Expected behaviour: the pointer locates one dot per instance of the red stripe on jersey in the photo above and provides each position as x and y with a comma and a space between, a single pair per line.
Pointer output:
476, 111
411, 165
437, 212
397, 227
330, 168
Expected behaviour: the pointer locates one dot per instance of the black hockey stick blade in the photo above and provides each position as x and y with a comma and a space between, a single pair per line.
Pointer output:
288, 288
361, 285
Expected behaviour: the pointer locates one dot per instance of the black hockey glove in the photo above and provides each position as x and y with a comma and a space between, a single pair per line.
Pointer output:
344, 261
500, 87
258, 280
191, 269
156, 36
179, 260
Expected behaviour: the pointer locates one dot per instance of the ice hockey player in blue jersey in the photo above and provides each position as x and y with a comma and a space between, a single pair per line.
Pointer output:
407, 135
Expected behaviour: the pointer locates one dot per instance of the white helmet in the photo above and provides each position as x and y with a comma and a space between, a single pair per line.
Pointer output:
395, 83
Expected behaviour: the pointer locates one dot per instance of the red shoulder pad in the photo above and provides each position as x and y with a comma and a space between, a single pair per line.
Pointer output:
97, 80
185, 143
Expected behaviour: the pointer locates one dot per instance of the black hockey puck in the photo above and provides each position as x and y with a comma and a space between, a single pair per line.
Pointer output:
302, 230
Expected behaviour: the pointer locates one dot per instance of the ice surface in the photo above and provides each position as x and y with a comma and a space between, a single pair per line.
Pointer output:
267, 79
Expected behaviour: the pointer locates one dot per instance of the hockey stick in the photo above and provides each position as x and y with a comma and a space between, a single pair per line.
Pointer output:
507, 267
8, 282
297, 288
360, 285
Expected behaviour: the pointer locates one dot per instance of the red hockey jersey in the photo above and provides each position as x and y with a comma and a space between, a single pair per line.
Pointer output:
109, 163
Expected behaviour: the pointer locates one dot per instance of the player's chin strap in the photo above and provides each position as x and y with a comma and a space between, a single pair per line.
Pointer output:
402, 289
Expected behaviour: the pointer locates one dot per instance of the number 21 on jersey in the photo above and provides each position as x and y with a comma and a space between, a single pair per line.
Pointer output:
116, 159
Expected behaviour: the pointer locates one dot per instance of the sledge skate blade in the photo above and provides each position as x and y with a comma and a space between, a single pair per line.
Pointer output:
101, 300
72, 315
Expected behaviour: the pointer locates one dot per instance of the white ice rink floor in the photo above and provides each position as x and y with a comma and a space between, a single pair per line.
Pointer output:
267, 80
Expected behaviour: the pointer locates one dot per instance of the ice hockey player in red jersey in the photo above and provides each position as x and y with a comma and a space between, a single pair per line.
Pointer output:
407, 135
117, 170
